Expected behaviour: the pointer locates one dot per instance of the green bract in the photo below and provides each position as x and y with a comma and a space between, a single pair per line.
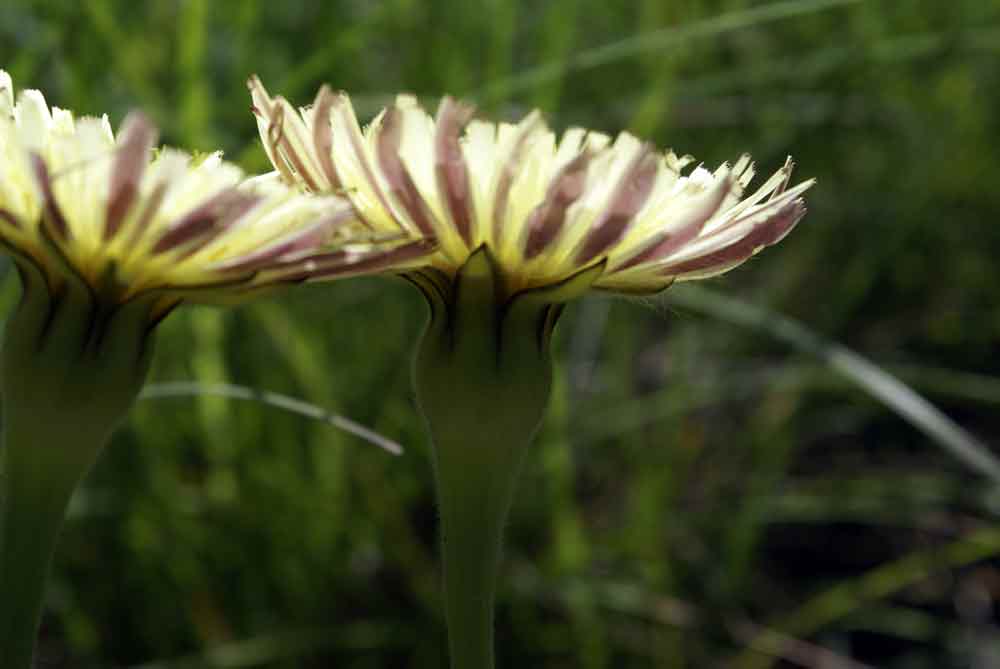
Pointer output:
72, 367
109, 236
482, 374
518, 221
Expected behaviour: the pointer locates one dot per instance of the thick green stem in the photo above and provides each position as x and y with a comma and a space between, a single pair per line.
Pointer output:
71, 367
482, 375
33, 499
476, 480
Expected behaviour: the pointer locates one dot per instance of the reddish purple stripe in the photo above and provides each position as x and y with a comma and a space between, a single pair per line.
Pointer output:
781, 187
350, 124
275, 127
507, 174
628, 198
549, 217
451, 170
207, 221
687, 228
53, 215
336, 264
149, 210
10, 219
765, 234
323, 135
390, 136
131, 159
287, 151
303, 240
772, 204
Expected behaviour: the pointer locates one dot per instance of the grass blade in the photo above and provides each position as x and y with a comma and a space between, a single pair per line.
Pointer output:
884, 581
193, 389
878, 383
653, 41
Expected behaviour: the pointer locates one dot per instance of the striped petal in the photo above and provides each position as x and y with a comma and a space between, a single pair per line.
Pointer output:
130, 221
547, 208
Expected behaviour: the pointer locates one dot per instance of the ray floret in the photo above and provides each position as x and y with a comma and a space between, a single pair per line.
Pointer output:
545, 207
131, 220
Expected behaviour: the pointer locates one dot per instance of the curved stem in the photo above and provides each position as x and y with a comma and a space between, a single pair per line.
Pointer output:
475, 482
70, 368
482, 375
33, 500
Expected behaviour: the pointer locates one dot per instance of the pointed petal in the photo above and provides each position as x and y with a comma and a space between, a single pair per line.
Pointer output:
54, 217
207, 220
771, 231
686, 228
548, 218
390, 136
352, 161
287, 139
526, 131
345, 263
627, 200
303, 240
323, 135
451, 170
135, 142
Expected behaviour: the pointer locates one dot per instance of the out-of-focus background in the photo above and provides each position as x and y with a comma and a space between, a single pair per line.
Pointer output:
711, 488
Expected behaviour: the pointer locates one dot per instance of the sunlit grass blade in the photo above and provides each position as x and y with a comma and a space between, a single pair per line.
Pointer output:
828, 61
884, 497
849, 596
655, 40
166, 390
604, 421
878, 383
639, 602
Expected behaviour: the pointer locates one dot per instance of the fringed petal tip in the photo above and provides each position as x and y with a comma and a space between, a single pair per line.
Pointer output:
546, 207
717, 259
131, 220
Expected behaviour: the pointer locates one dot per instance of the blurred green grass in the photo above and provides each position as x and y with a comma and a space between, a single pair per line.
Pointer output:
696, 483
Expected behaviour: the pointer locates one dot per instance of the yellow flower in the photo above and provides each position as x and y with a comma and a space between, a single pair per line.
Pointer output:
109, 235
131, 221
524, 221
544, 207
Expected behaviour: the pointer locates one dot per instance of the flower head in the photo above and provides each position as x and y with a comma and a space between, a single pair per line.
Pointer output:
523, 222
545, 208
132, 221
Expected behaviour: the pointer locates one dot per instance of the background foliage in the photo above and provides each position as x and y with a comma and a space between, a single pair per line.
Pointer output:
703, 494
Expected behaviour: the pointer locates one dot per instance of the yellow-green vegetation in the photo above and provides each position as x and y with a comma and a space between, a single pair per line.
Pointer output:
715, 482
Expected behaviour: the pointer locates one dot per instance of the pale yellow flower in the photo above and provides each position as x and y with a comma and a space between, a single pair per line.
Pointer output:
545, 207
524, 221
130, 220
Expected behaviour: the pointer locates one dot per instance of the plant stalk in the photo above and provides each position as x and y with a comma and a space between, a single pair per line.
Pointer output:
33, 500
476, 482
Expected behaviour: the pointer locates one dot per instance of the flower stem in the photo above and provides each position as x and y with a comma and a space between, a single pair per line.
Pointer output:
33, 500
476, 481
69, 370
482, 375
